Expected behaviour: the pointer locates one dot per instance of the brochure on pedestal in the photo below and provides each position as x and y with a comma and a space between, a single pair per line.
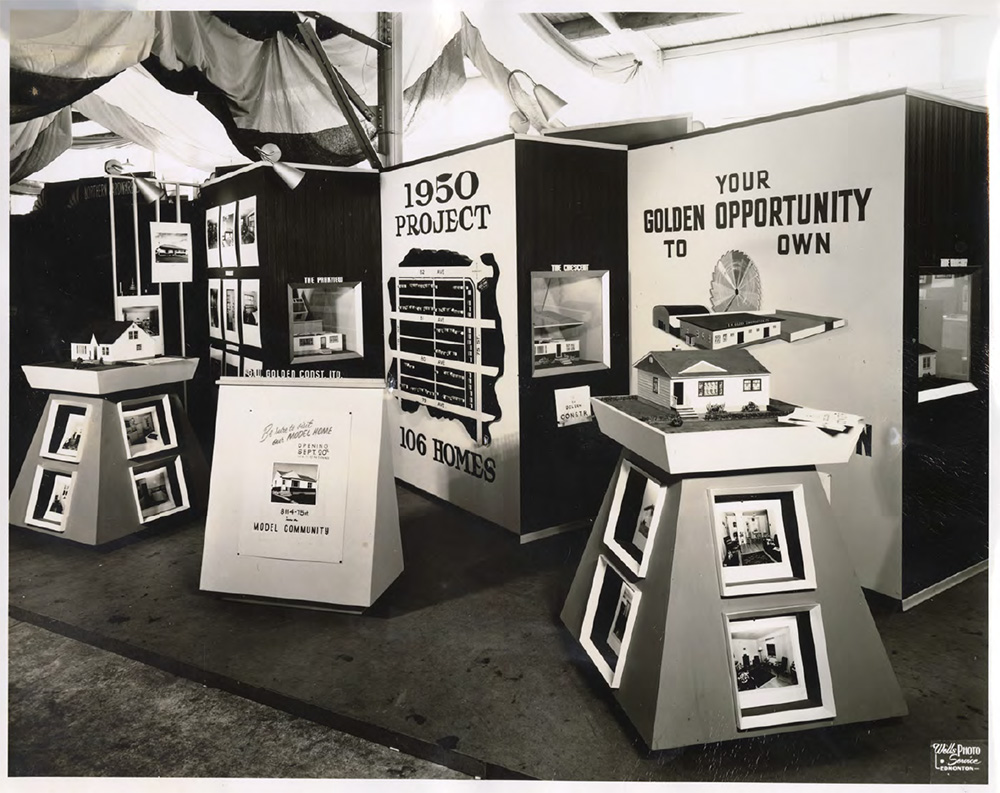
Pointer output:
303, 500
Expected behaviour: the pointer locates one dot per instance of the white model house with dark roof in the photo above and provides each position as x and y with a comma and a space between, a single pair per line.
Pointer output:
696, 379
927, 360
112, 342
717, 331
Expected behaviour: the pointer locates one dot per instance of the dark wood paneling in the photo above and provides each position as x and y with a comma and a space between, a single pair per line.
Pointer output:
571, 209
945, 451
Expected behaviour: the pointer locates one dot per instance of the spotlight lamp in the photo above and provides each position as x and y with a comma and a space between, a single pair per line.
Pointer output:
271, 154
149, 190
536, 110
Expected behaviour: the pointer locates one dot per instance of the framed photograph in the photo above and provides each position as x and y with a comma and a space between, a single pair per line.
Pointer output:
761, 540
160, 491
250, 311
634, 516
232, 365
609, 620
227, 235
215, 363
49, 500
215, 308
780, 670
144, 311
252, 368
247, 222
230, 310
212, 236
170, 244
65, 431
147, 426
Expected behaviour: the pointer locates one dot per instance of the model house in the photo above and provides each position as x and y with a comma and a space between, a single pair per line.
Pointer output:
112, 342
716, 331
696, 379
926, 360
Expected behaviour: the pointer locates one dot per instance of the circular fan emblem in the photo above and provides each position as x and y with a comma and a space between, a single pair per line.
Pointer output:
735, 283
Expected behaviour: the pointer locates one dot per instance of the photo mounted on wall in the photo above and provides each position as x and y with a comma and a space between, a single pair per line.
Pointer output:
171, 252
49, 501
215, 308
609, 620
250, 311
232, 364
227, 235
160, 491
214, 363
248, 231
294, 483
762, 541
212, 236
780, 670
148, 426
230, 308
634, 516
65, 431
146, 317
252, 368
146, 312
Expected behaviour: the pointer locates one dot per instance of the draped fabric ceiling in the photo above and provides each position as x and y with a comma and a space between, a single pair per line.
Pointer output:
253, 79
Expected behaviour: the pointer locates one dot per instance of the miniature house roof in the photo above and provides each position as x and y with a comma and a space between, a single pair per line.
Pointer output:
293, 474
739, 319
551, 319
690, 363
923, 349
106, 332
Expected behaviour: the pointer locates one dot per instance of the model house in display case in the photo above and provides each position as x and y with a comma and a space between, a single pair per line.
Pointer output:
701, 381
506, 302
293, 274
111, 342
863, 226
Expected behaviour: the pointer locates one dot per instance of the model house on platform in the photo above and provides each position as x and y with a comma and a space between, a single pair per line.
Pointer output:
112, 342
716, 331
696, 379
927, 360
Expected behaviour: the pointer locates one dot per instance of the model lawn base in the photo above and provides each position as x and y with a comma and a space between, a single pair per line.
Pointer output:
303, 500
676, 681
98, 379
103, 506
700, 445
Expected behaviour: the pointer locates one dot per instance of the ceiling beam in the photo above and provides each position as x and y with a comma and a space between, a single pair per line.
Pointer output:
587, 27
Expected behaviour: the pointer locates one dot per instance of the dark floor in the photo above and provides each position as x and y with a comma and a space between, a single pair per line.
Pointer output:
464, 662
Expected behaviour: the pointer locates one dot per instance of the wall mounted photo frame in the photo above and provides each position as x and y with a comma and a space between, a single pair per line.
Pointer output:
634, 516
762, 542
247, 231
609, 621
212, 236
779, 667
50, 500
230, 305
215, 308
160, 490
250, 311
170, 252
227, 235
65, 431
252, 367
147, 426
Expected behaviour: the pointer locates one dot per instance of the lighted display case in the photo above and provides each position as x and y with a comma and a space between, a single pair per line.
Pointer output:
325, 322
569, 324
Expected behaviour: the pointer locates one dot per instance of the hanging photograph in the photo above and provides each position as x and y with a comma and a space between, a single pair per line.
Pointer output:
634, 516
65, 431
232, 365
147, 426
780, 669
146, 317
230, 307
252, 367
762, 541
170, 244
250, 311
247, 220
212, 236
159, 491
215, 308
227, 235
49, 501
145, 311
609, 620
214, 363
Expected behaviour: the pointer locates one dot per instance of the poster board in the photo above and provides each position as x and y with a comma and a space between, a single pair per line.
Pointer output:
302, 503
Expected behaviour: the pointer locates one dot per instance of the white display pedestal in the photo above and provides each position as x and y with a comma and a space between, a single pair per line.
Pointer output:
302, 505
723, 605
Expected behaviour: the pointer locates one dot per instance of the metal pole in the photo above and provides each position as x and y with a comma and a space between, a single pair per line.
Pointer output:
114, 253
390, 87
135, 229
180, 287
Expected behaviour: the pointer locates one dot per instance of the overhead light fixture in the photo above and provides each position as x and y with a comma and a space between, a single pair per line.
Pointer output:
536, 110
271, 154
149, 190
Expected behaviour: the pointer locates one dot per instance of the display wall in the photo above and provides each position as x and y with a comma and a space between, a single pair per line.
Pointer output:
804, 213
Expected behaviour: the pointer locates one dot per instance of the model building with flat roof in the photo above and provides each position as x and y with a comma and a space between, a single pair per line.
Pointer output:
718, 331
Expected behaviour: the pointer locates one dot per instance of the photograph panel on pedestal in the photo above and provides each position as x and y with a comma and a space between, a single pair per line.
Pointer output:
49, 500
65, 431
147, 426
634, 517
609, 620
160, 491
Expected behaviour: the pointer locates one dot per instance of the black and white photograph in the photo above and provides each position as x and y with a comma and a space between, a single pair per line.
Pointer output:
227, 235
170, 244
147, 426
49, 500
65, 431
146, 317
232, 364
250, 311
751, 543
231, 306
212, 236
214, 310
621, 619
73, 434
58, 500
294, 483
609, 620
156, 496
247, 220
634, 516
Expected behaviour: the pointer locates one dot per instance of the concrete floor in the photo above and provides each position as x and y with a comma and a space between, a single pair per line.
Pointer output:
75, 710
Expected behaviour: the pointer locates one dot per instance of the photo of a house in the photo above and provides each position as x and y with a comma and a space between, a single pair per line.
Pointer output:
294, 483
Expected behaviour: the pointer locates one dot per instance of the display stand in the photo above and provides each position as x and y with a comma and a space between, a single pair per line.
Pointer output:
702, 636
112, 453
302, 507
